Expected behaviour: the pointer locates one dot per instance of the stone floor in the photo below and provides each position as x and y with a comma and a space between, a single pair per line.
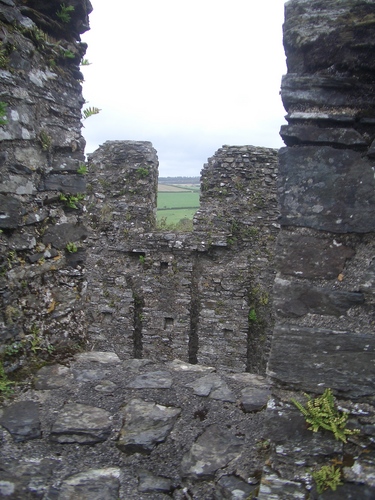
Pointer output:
103, 428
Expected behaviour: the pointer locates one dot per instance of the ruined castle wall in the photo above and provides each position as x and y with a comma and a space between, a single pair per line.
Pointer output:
41, 150
163, 295
325, 283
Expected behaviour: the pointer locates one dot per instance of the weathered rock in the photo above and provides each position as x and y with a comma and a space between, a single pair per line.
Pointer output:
154, 380
98, 357
326, 189
254, 399
146, 425
52, 377
212, 386
149, 483
231, 487
94, 484
323, 358
22, 421
294, 300
81, 424
213, 450
306, 256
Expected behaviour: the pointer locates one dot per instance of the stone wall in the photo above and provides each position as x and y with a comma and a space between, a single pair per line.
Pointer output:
41, 187
325, 284
163, 295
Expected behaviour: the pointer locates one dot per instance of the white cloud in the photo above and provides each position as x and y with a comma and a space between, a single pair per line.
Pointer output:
187, 75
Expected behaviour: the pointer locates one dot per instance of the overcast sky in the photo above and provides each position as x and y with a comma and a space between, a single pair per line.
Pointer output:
187, 75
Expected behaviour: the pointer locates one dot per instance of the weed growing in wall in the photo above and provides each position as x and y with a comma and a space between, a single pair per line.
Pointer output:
5, 384
321, 413
82, 169
90, 111
328, 476
45, 140
64, 13
3, 113
71, 200
71, 247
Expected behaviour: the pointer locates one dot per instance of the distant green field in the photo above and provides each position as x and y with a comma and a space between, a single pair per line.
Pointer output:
174, 216
176, 202
187, 199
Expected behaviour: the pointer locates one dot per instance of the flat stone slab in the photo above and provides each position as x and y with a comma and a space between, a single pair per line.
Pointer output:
254, 399
182, 366
213, 450
53, 377
152, 380
327, 189
214, 387
307, 358
81, 424
22, 421
95, 484
98, 357
149, 483
146, 425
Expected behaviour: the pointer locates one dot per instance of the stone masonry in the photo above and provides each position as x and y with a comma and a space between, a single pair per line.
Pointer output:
140, 354
183, 295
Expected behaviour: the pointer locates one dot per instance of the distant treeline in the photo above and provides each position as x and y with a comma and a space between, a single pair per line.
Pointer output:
179, 180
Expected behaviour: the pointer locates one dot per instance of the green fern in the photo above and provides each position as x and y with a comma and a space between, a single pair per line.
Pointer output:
328, 476
321, 413
87, 112
64, 13
85, 62
3, 113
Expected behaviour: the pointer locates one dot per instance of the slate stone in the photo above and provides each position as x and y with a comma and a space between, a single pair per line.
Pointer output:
309, 257
11, 212
106, 387
307, 358
212, 386
326, 189
70, 184
305, 134
182, 366
152, 380
22, 421
149, 483
254, 399
52, 377
98, 357
212, 450
234, 488
274, 486
94, 484
59, 235
81, 424
299, 299
325, 91
146, 425
89, 375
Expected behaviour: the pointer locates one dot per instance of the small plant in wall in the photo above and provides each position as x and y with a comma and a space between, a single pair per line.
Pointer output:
82, 169
45, 140
71, 200
328, 476
64, 13
90, 111
71, 247
322, 413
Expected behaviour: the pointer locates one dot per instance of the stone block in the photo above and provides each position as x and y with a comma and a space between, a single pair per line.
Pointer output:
311, 257
298, 299
326, 189
312, 359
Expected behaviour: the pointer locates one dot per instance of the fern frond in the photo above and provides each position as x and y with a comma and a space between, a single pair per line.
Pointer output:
87, 112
